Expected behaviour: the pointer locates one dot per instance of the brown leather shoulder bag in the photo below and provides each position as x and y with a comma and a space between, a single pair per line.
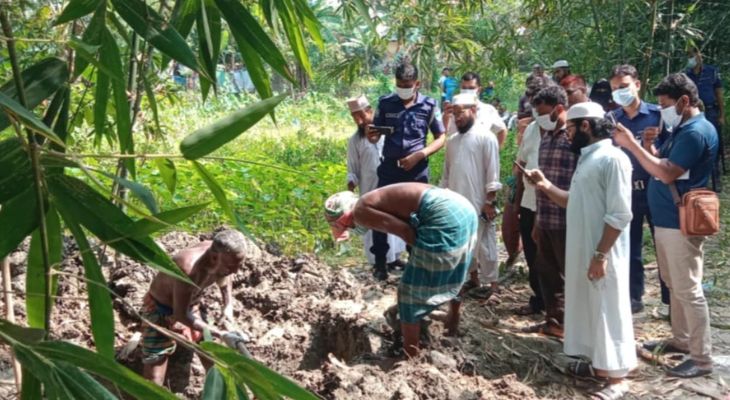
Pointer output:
699, 211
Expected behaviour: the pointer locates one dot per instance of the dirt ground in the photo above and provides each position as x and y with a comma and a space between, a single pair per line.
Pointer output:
324, 327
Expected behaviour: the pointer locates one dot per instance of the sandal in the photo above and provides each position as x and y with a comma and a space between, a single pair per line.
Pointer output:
611, 392
583, 370
545, 328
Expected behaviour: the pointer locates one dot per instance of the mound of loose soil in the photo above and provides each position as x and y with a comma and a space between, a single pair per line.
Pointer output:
324, 327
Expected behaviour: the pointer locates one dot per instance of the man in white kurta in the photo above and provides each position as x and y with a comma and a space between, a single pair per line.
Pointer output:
598, 321
471, 168
363, 158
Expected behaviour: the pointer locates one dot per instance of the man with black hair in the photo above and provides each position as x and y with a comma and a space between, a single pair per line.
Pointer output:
576, 89
683, 162
411, 115
644, 119
557, 162
598, 321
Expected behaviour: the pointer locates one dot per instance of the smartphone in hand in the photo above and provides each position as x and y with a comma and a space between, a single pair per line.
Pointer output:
382, 130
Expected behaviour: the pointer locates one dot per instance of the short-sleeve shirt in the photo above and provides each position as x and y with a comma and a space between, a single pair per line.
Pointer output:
410, 125
707, 81
649, 115
529, 152
450, 85
557, 162
693, 147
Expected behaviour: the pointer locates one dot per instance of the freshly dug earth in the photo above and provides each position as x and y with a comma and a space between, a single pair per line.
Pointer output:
324, 327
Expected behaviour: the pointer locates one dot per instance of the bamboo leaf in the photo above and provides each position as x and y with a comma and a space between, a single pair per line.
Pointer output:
61, 125
15, 164
41, 81
27, 118
35, 281
167, 172
100, 302
138, 190
124, 378
293, 32
88, 52
148, 226
79, 202
264, 382
183, 16
215, 386
12, 334
245, 25
18, 218
310, 21
254, 65
76, 9
101, 99
92, 36
150, 25
209, 138
30, 388
149, 92
81, 384
209, 40
217, 191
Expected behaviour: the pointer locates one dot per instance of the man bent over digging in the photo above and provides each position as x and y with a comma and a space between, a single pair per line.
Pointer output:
169, 302
441, 227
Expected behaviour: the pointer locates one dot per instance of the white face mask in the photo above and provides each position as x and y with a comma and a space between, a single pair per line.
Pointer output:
469, 91
671, 117
623, 97
545, 123
534, 114
405, 93
692, 62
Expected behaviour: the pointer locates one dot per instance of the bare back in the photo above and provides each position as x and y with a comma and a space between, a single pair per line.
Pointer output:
388, 209
162, 285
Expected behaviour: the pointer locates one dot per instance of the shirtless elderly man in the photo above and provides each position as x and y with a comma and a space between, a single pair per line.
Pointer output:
441, 227
169, 302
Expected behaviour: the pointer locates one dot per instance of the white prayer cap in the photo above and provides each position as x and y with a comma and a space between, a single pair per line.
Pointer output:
358, 103
465, 99
561, 64
588, 109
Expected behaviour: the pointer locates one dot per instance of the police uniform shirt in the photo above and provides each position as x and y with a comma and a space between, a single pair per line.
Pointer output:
707, 81
410, 125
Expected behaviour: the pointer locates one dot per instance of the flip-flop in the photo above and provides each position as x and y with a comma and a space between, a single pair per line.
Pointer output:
611, 392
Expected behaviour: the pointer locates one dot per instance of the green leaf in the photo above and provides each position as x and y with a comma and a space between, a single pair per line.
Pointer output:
293, 32
147, 226
310, 21
215, 386
77, 201
15, 164
167, 172
18, 218
243, 24
149, 92
152, 27
92, 36
88, 52
61, 126
35, 281
101, 99
124, 378
100, 302
40, 81
30, 388
264, 382
27, 118
217, 191
138, 190
81, 384
76, 9
182, 19
254, 65
11, 334
207, 139
209, 40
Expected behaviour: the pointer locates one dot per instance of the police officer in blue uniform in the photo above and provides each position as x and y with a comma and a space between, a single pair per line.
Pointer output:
709, 86
644, 120
408, 115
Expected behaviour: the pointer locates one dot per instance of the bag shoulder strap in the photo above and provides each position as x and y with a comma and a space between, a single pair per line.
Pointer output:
675, 194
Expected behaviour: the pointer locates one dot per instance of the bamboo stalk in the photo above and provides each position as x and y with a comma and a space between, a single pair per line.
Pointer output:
10, 314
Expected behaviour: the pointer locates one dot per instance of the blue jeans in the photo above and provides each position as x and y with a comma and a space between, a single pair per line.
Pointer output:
389, 173
640, 209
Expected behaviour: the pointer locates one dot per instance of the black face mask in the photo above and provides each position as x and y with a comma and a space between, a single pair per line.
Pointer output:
580, 140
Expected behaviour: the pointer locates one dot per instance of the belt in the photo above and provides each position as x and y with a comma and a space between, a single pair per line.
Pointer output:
638, 185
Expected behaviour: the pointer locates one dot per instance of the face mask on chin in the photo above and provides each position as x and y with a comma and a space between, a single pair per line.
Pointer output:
692, 62
405, 93
545, 122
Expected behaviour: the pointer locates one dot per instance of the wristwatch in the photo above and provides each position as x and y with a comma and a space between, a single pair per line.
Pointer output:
600, 256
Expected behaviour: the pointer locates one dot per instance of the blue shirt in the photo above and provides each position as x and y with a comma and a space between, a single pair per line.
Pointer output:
450, 86
693, 147
410, 125
707, 81
649, 115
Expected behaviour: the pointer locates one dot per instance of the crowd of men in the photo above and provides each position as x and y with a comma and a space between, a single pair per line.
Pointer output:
592, 167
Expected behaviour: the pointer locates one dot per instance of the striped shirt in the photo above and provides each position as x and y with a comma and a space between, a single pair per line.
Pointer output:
557, 162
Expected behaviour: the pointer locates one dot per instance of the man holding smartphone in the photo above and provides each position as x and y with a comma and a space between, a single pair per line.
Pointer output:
644, 120
405, 153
